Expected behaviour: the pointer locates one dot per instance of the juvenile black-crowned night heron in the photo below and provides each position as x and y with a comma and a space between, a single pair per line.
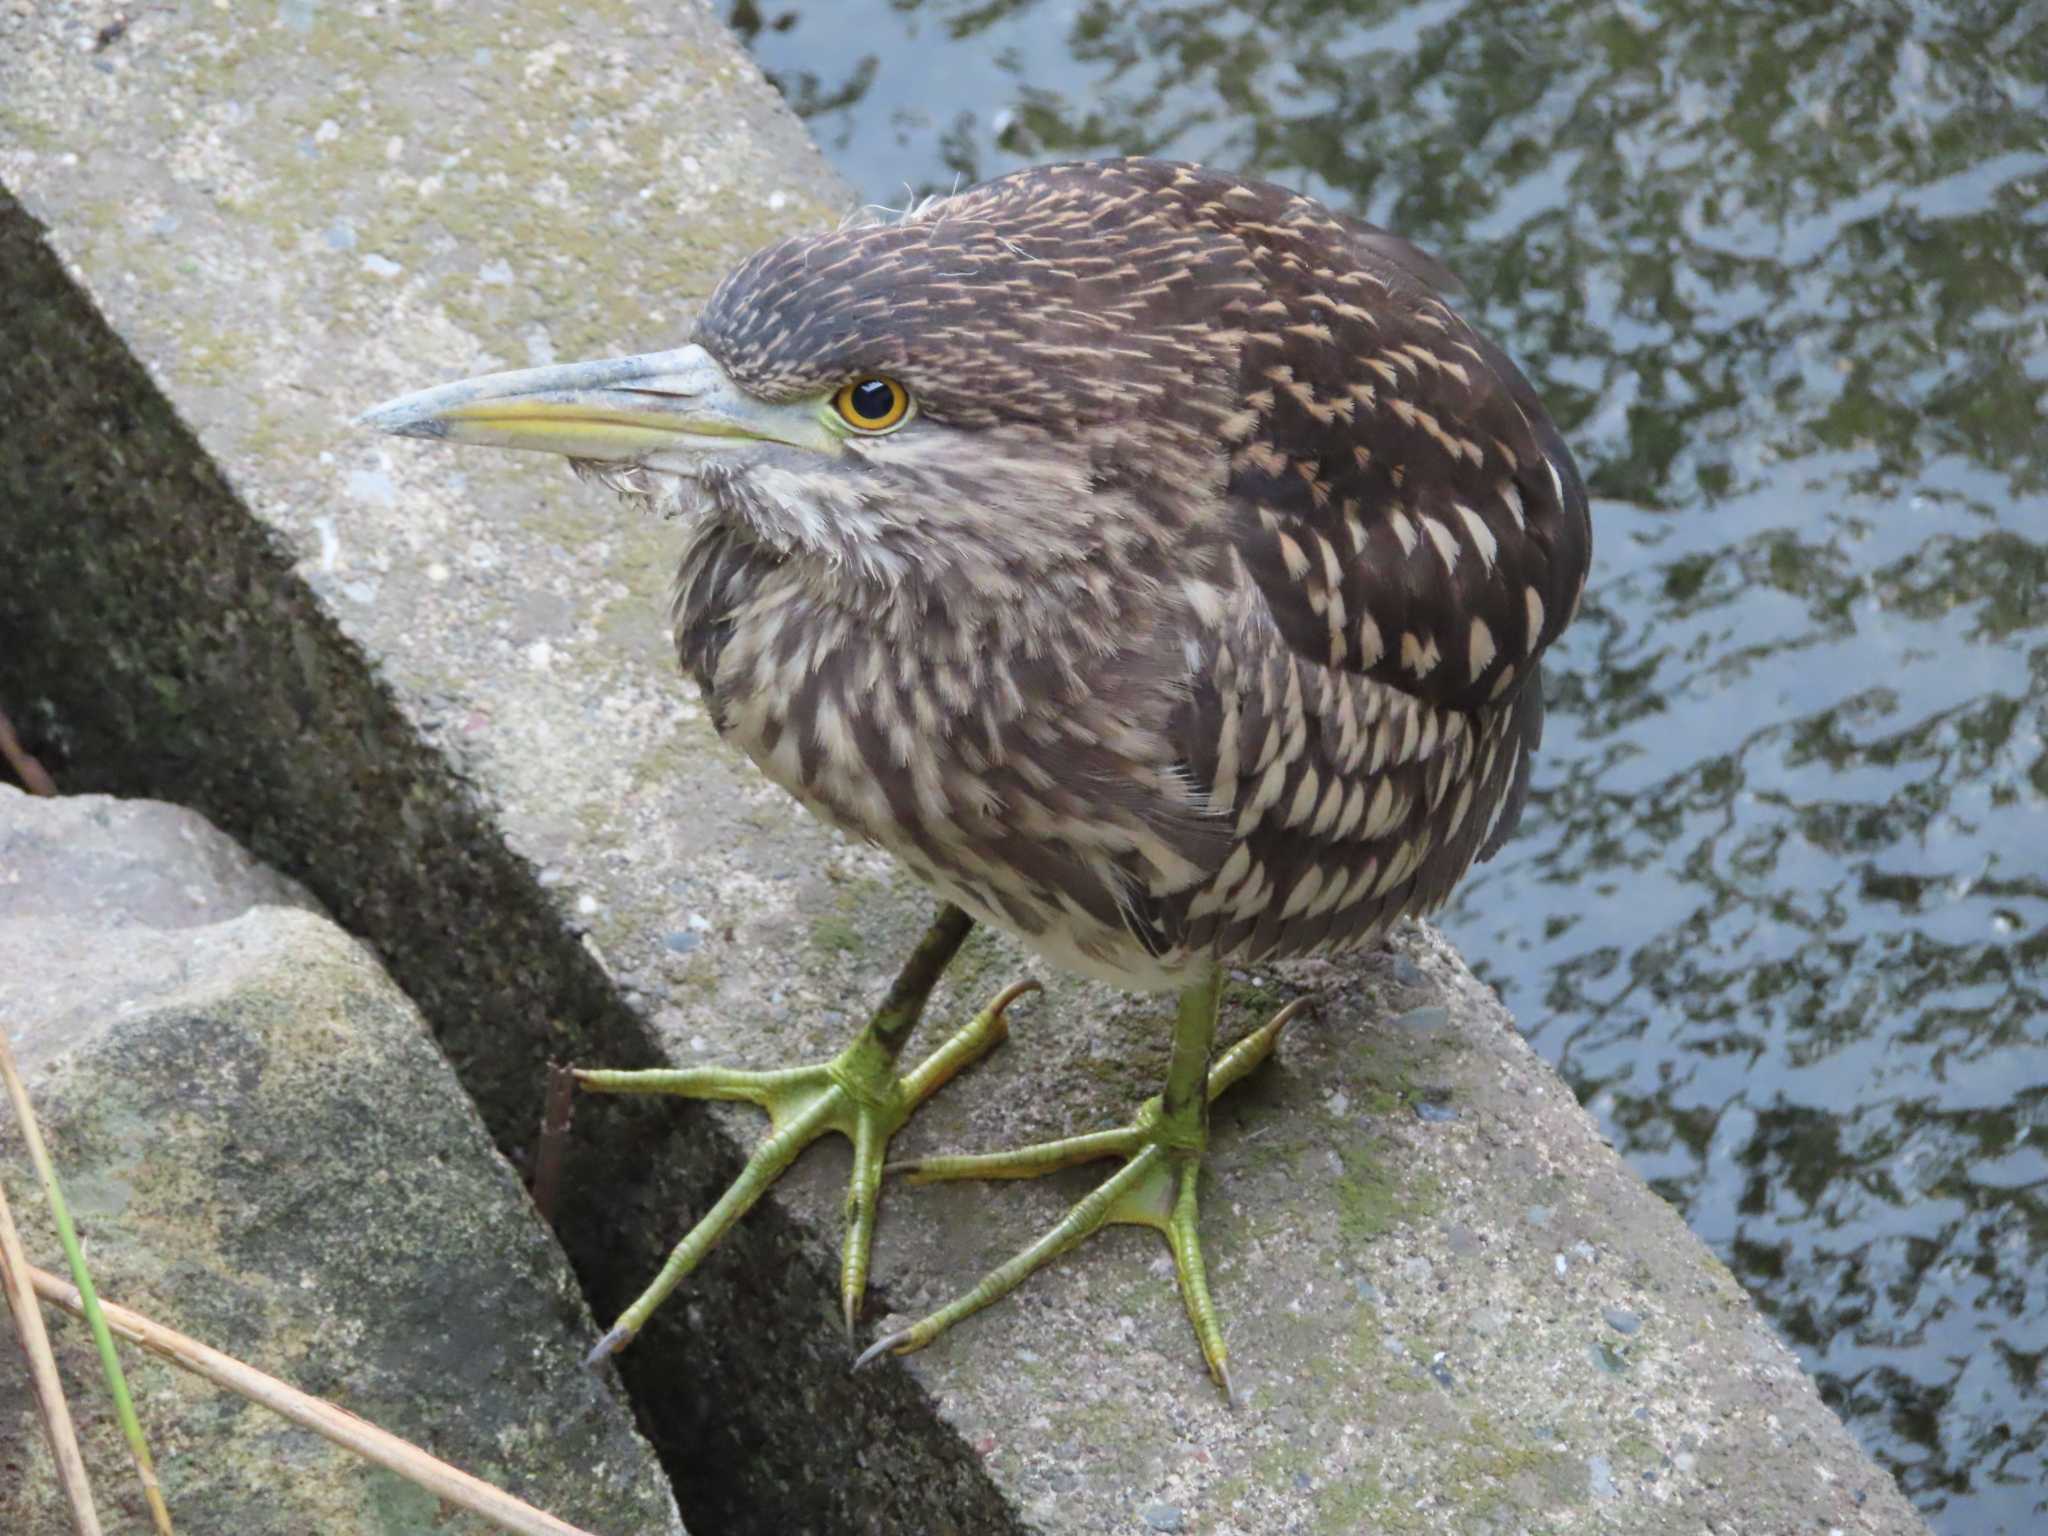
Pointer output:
1151, 560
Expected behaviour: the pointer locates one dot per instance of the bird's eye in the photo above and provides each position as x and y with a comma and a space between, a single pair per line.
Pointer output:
873, 404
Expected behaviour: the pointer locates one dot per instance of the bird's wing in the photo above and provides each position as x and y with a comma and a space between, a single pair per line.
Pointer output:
1404, 503
1412, 533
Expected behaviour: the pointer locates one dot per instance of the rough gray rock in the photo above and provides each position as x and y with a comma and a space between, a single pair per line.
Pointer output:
263, 1149
435, 687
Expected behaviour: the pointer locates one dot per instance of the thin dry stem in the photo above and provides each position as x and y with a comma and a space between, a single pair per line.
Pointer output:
16, 1277
352, 1434
35, 778
74, 1255
554, 1137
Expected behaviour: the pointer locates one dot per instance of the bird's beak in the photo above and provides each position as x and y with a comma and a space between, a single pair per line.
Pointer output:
620, 410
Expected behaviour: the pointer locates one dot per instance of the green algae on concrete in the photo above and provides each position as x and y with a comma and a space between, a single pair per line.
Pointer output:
436, 687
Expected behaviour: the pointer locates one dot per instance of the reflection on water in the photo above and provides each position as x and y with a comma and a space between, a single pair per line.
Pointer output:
1780, 910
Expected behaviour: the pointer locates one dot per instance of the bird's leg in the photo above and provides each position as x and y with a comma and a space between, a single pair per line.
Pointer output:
858, 1093
1162, 1149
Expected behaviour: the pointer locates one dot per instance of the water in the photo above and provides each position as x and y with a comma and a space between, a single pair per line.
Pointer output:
1780, 909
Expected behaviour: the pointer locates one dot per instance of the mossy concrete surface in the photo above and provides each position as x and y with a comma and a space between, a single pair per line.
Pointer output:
261, 1144
434, 686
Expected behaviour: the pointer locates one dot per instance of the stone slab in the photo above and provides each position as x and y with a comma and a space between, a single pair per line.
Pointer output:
435, 687
262, 1148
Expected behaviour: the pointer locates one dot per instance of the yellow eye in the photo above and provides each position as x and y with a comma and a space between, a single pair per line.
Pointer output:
873, 404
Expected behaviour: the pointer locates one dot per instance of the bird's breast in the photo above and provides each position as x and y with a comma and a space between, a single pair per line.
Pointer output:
1029, 775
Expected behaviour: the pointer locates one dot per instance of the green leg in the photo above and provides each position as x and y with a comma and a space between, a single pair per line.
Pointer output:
1163, 1150
857, 1093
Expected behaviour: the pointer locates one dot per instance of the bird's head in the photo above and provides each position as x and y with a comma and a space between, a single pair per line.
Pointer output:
973, 382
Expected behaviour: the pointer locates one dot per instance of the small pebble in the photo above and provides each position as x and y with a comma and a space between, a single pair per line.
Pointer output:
1538, 1216
1600, 1478
1424, 1020
1435, 1114
1163, 1517
1621, 1320
682, 943
1604, 1356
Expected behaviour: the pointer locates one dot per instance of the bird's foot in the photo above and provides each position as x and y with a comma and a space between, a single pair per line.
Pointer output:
858, 1094
1155, 1188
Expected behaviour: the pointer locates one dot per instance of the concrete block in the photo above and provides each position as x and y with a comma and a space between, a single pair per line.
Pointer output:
434, 686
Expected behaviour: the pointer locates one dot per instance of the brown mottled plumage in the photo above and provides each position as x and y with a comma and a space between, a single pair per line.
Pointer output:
1187, 607
1200, 613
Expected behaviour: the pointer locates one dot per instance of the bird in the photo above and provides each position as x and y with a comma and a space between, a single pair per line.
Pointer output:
1151, 559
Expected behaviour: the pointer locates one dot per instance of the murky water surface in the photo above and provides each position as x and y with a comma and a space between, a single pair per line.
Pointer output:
1780, 910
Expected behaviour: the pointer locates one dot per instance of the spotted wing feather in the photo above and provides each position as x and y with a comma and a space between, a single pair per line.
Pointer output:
1416, 535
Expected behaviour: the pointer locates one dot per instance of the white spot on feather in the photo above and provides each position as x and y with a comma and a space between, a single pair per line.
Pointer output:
1304, 799
1419, 655
1404, 530
1294, 557
1354, 808
1481, 647
1481, 535
1381, 815
1445, 541
1303, 893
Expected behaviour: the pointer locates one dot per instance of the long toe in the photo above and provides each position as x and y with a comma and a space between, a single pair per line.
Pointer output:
1162, 1149
857, 1094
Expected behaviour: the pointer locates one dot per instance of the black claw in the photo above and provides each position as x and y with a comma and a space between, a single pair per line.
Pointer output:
880, 1347
614, 1341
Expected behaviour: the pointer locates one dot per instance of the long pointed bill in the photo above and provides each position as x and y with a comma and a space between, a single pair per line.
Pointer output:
622, 410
